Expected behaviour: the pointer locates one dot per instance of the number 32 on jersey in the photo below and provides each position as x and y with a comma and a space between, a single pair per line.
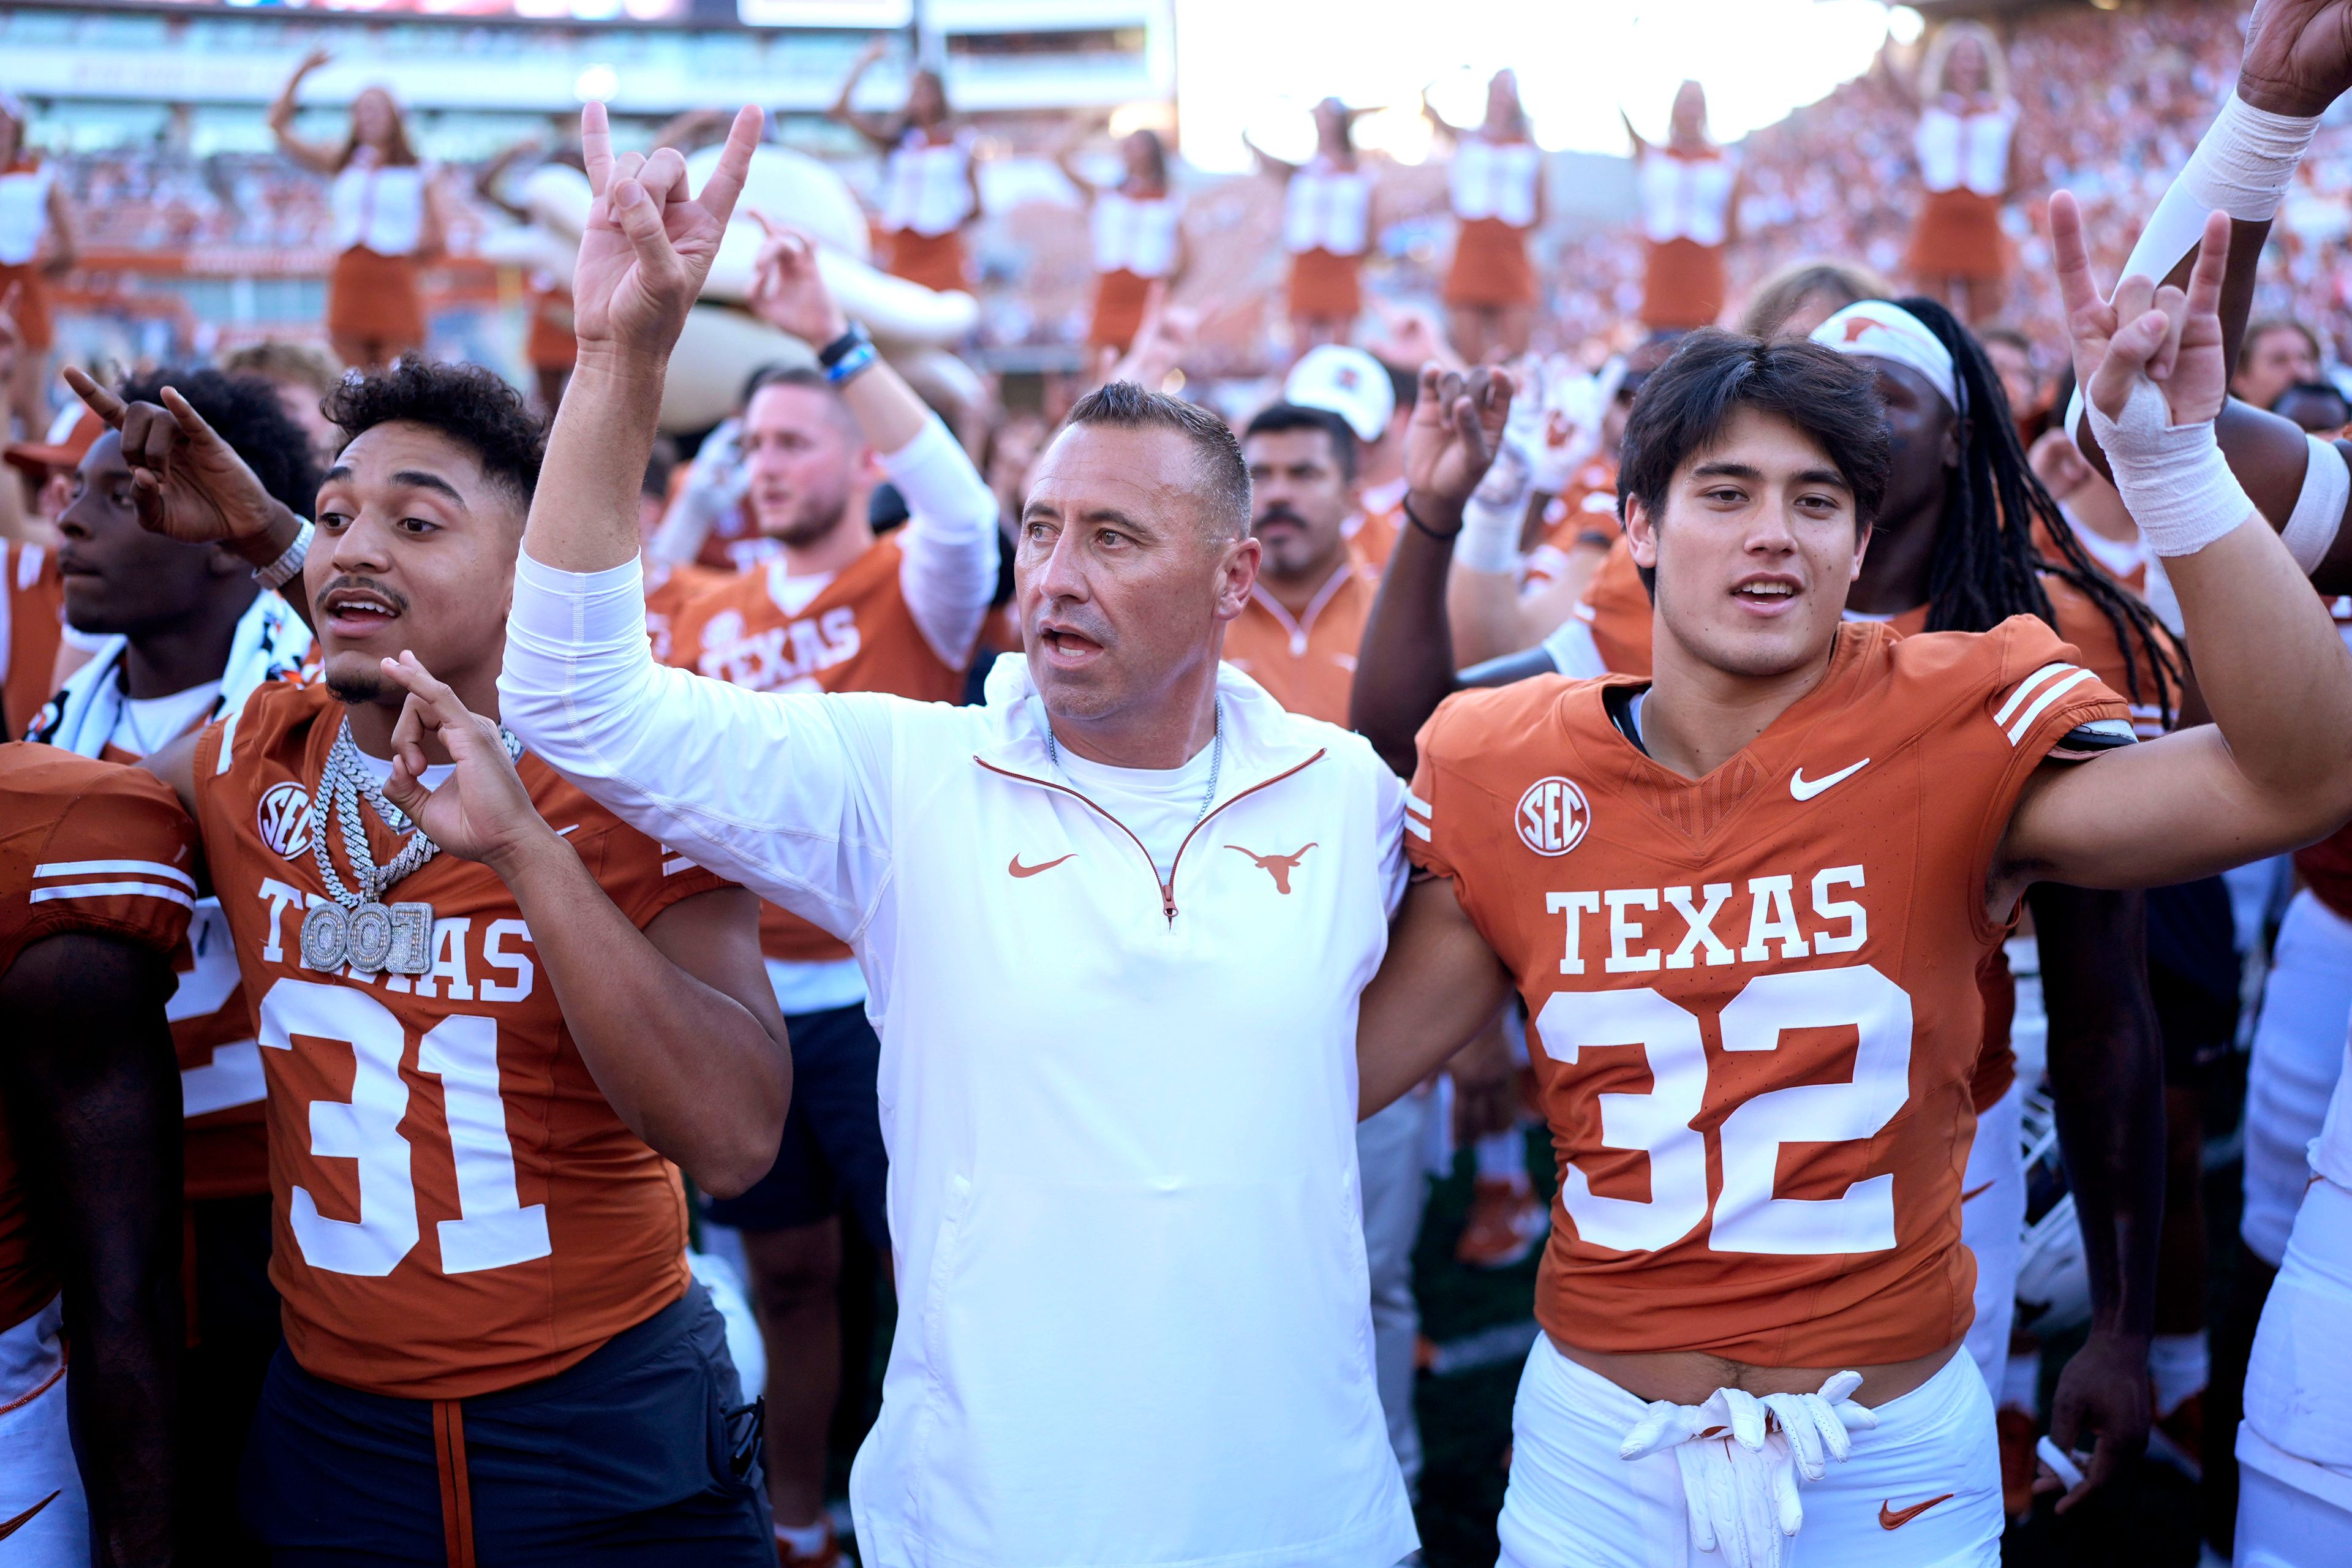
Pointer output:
494, 1229
1744, 1216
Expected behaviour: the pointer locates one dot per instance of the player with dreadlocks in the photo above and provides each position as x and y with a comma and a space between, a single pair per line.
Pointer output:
1965, 537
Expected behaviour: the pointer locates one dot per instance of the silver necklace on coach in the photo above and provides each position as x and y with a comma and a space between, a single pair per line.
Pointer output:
359, 929
1216, 756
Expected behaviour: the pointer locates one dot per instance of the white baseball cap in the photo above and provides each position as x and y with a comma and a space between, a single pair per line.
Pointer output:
1888, 331
1349, 383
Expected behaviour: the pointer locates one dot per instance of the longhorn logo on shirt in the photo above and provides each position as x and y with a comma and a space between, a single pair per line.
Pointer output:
1278, 866
1553, 816
284, 818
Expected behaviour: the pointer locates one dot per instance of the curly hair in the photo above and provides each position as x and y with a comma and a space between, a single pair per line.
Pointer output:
245, 411
468, 403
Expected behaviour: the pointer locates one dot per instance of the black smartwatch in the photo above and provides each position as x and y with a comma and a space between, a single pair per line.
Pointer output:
841, 347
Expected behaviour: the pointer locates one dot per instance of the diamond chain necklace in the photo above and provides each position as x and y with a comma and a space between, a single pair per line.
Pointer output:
347, 781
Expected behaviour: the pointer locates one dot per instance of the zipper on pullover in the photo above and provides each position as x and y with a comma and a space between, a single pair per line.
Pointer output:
1168, 885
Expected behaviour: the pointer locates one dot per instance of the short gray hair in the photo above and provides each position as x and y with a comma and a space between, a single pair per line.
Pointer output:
1225, 482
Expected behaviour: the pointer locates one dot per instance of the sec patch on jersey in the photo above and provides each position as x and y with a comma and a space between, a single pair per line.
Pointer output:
1553, 816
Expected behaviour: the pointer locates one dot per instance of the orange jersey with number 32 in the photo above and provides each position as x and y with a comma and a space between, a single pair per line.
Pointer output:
1753, 999
457, 1208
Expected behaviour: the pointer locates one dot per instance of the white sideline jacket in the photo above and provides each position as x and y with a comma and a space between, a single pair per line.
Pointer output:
1134, 1327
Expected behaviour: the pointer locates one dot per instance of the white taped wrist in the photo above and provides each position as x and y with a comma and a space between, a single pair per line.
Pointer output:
2243, 166
2318, 513
1489, 540
2173, 478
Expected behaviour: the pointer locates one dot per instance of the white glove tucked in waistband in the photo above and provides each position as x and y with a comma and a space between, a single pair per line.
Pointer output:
1740, 1458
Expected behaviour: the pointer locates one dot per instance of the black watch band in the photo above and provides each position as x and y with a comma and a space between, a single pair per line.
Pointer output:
834, 353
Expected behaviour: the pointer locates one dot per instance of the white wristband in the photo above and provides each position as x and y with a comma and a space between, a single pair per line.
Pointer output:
2318, 513
288, 566
1492, 519
2243, 166
2173, 477
1490, 536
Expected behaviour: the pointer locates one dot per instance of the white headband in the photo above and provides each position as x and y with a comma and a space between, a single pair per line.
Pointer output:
1888, 331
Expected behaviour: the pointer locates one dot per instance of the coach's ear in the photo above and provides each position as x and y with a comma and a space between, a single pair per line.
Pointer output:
1861, 548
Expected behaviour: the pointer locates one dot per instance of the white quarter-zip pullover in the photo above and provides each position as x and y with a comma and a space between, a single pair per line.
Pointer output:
1119, 1103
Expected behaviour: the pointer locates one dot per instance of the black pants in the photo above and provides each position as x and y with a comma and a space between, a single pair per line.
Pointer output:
234, 1321
645, 1454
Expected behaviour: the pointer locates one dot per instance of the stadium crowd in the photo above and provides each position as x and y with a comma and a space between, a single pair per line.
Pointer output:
509, 946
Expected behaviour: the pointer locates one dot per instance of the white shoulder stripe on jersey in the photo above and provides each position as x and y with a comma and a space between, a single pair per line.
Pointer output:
673, 866
1414, 803
228, 739
1415, 828
2050, 694
114, 891
143, 868
2025, 688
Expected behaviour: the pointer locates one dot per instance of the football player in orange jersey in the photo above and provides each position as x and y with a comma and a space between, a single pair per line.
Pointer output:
838, 609
184, 635
1704, 1277
1953, 547
477, 1073
95, 883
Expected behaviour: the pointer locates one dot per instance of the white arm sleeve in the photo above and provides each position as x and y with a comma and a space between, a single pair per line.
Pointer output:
948, 569
785, 794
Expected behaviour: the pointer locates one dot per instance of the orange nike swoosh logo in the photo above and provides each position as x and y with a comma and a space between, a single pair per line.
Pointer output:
1976, 1194
1018, 869
11, 1526
1892, 1518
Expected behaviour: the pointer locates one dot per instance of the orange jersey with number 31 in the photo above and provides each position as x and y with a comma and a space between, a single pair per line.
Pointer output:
1753, 997
457, 1208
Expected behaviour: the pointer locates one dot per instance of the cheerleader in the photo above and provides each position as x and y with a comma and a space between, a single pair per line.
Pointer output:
1137, 236
1326, 227
930, 179
1496, 182
388, 219
37, 243
1967, 146
549, 347
1689, 193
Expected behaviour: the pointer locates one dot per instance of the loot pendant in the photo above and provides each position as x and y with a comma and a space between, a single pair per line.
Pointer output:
373, 938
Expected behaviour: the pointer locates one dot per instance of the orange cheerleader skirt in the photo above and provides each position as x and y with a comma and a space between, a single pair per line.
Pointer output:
1959, 235
376, 300
33, 323
1119, 309
934, 260
1684, 286
1324, 287
1490, 269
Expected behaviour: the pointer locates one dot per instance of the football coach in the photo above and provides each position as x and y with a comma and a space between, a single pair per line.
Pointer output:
1114, 924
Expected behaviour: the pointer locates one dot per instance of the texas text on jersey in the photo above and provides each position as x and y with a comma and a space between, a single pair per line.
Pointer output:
457, 1209
857, 634
84, 847
1754, 995
1616, 608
